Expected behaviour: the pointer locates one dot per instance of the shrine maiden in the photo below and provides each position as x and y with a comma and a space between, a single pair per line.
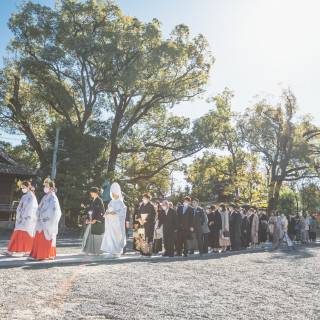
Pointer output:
114, 238
23, 234
48, 216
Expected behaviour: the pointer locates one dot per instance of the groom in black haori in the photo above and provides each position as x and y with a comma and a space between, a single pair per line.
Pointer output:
93, 236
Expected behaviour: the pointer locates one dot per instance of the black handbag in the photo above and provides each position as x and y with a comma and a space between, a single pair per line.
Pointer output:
226, 234
97, 228
192, 243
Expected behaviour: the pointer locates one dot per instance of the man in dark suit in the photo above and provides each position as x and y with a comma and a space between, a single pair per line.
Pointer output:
169, 220
186, 225
235, 222
244, 227
199, 220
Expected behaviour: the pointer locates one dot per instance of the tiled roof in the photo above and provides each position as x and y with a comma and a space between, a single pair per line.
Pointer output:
9, 166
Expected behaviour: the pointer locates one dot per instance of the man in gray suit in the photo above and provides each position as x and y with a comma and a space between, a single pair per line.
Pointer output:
199, 219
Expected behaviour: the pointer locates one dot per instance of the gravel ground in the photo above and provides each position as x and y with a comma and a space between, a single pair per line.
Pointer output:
281, 284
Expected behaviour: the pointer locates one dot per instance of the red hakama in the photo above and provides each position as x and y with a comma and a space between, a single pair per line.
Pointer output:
42, 248
20, 241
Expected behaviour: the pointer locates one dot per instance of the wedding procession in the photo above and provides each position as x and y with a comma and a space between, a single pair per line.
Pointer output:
156, 226
159, 159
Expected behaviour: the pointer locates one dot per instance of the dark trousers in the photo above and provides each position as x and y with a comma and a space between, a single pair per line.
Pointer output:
157, 245
176, 241
168, 241
183, 236
235, 241
149, 230
205, 242
243, 240
199, 235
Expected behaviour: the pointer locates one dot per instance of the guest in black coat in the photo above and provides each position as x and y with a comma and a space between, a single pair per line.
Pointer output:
291, 228
149, 222
199, 220
249, 226
186, 225
215, 225
263, 227
235, 228
211, 226
169, 219
244, 229
206, 231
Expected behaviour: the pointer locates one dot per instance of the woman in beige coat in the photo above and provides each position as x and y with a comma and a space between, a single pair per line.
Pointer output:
224, 240
254, 223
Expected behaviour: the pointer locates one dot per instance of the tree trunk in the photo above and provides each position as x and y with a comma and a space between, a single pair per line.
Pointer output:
62, 222
274, 193
114, 150
34, 142
112, 161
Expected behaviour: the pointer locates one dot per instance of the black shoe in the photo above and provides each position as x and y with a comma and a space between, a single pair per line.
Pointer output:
171, 256
178, 254
185, 255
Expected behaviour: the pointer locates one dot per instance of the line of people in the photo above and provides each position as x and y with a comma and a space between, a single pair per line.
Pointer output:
180, 231
218, 227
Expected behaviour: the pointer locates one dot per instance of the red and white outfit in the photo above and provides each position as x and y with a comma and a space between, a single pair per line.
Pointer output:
48, 216
23, 234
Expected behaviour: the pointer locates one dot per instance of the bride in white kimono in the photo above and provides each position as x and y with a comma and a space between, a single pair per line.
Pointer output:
114, 239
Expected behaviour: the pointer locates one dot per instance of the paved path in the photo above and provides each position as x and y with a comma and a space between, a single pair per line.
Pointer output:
76, 258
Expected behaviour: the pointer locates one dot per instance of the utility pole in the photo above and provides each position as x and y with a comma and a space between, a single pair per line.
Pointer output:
55, 151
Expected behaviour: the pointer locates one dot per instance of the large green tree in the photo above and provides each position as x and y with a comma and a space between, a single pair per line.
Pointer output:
234, 174
108, 80
277, 135
287, 202
90, 62
310, 198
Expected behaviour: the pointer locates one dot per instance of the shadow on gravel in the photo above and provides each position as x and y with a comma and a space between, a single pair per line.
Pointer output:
299, 253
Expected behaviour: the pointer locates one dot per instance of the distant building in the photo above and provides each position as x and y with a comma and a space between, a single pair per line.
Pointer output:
10, 173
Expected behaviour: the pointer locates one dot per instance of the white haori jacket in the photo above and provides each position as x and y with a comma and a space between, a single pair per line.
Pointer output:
48, 216
26, 214
114, 239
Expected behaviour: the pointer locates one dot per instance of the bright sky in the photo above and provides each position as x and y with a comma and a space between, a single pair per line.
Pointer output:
259, 45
